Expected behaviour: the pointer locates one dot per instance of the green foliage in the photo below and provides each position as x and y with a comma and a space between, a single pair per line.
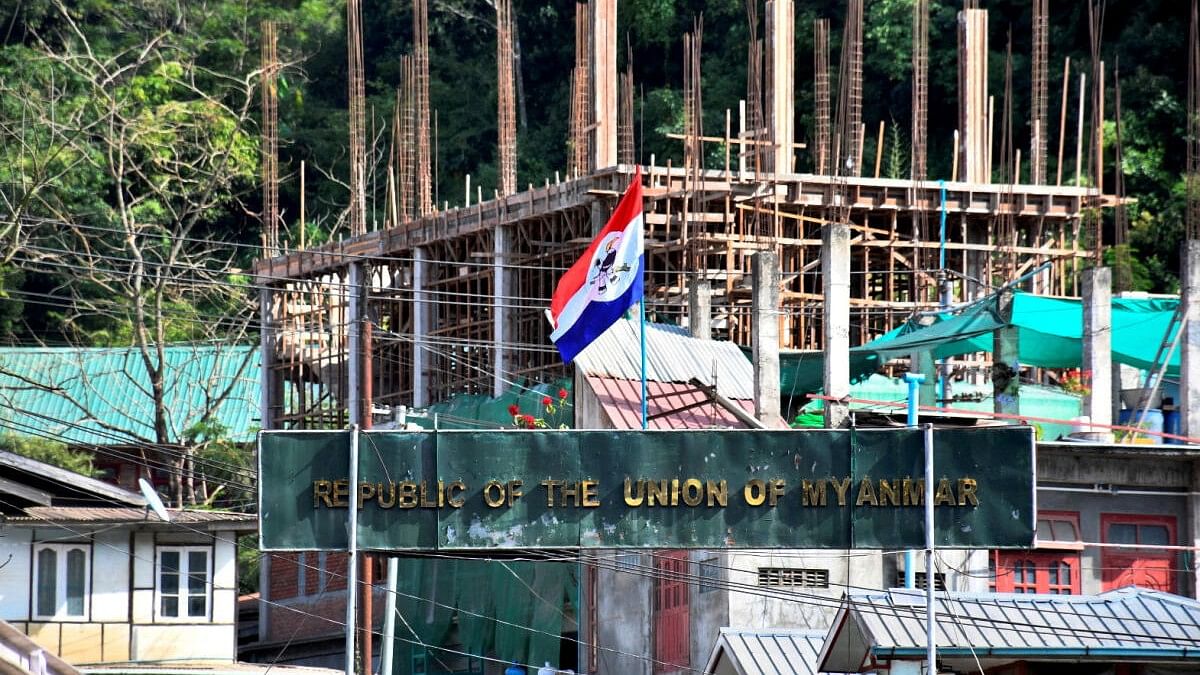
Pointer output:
49, 452
248, 563
897, 154
227, 466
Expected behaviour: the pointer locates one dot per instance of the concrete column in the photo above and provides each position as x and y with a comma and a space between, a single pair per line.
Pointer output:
766, 337
835, 280
422, 311
700, 309
1006, 362
354, 347
781, 47
923, 363
973, 95
604, 81
1189, 383
1097, 348
501, 309
601, 210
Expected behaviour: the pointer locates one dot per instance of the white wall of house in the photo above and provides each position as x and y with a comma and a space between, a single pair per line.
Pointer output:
123, 616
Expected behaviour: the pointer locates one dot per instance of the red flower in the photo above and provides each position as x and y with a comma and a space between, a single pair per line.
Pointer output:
546, 400
514, 410
562, 394
529, 421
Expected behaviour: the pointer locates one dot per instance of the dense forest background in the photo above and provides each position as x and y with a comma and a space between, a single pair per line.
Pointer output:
129, 129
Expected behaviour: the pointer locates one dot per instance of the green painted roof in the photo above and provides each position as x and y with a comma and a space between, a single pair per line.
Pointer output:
102, 396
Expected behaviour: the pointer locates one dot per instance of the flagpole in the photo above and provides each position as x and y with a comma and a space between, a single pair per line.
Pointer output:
642, 305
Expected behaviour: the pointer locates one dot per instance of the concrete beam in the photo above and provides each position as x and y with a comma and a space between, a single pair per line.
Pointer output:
835, 280
422, 314
1006, 363
700, 309
1189, 383
766, 337
1097, 348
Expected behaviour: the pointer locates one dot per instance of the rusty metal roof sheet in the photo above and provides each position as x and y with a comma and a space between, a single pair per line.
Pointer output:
92, 515
671, 356
671, 405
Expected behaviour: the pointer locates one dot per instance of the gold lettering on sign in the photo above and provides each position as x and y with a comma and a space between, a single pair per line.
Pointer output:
943, 494
550, 485
812, 493
321, 490
630, 498
718, 493
755, 492
406, 494
514, 491
389, 501
341, 492
889, 491
912, 492
840, 487
454, 494
588, 489
657, 493
497, 487
966, 492
693, 492
866, 493
366, 491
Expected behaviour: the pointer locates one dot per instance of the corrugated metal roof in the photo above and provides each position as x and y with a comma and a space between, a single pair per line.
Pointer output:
1125, 621
88, 514
75, 484
687, 407
102, 396
768, 651
671, 356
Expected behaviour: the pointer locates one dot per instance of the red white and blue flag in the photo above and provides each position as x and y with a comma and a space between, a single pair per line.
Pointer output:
605, 282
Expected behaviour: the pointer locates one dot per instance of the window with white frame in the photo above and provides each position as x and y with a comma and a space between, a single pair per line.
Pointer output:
184, 582
60, 581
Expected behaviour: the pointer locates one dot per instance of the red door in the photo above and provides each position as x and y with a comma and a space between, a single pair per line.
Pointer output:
1147, 571
1139, 557
672, 645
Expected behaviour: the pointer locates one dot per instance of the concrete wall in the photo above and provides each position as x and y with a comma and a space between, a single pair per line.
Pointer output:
1091, 506
589, 413
708, 603
624, 613
119, 623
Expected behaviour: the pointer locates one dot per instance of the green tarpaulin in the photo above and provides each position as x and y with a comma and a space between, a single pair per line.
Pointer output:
1049, 330
446, 615
466, 411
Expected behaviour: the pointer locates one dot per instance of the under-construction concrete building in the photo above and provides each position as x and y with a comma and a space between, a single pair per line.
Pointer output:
447, 300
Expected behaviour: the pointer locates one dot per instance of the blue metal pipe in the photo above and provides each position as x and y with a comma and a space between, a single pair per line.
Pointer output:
914, 381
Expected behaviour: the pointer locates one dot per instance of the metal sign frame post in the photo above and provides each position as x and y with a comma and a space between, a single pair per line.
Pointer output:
930, 609
352, 563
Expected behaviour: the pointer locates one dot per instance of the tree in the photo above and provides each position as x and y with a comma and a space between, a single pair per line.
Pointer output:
133, 151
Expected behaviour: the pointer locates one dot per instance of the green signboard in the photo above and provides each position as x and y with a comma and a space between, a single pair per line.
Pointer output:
462, 490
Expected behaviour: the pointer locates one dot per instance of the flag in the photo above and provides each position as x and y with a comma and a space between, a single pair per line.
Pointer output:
604, 282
